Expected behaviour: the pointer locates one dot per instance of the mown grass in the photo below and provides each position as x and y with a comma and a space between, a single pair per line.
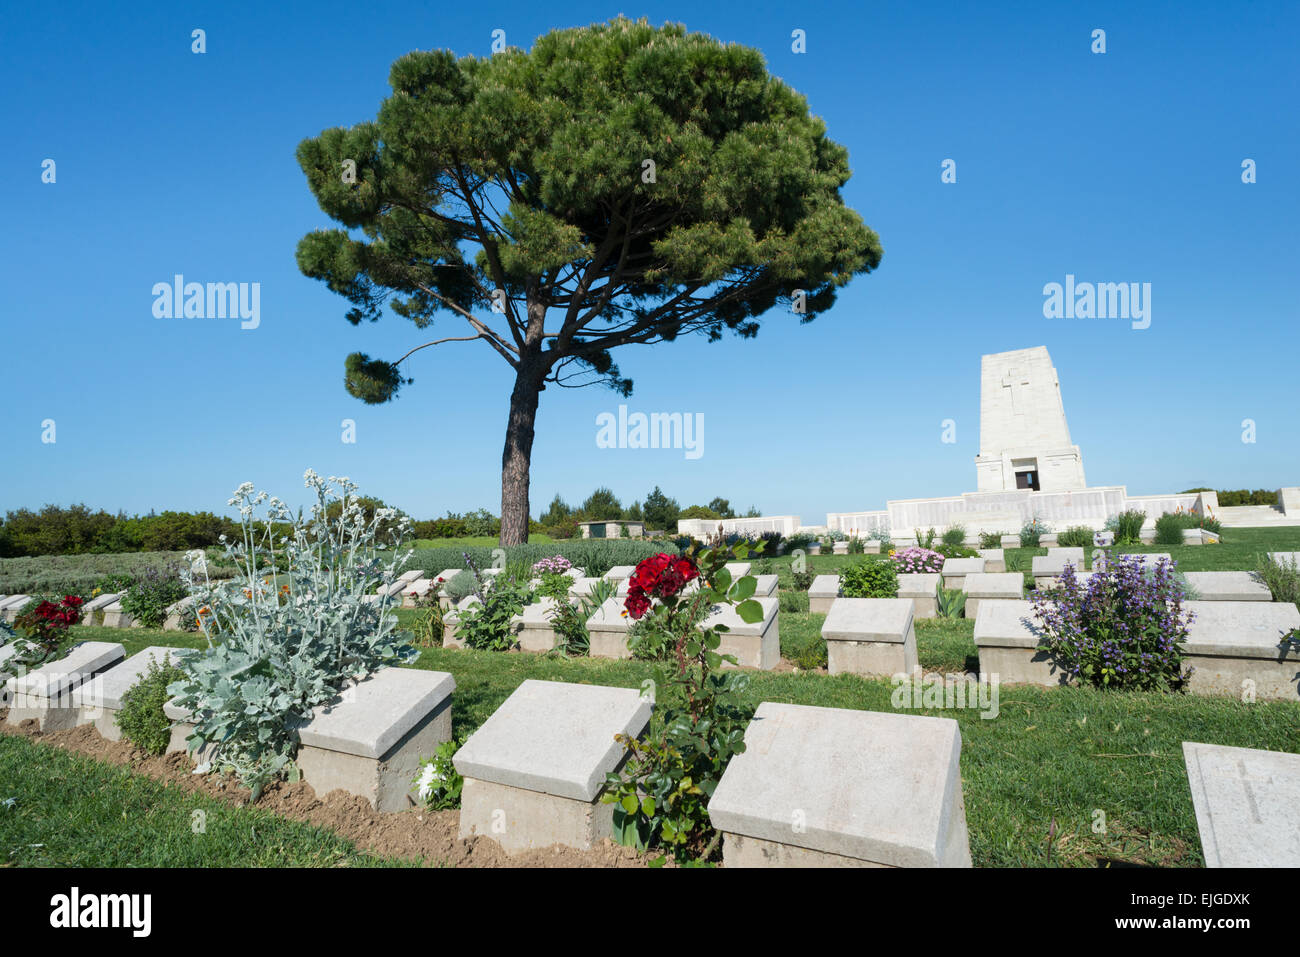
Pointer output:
1101, 772
59, 809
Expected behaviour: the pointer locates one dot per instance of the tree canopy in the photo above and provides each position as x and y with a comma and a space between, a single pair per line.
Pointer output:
617, 184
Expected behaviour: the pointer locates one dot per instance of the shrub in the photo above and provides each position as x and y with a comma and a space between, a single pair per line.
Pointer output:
1076, 536
990, 539
141, 718
279, 644
954, 536
1032, 532
914, 560
662, 794
802, 579
957, 551
438, 784
460, 585
857, 546
1281, 577
569, 620
552, 585
486, 625
1169, 529
926, 541
1127, 526
1124, 628
873, 578
799, 540
148, 599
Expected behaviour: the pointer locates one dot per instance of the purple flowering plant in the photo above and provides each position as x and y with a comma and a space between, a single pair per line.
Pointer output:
1124, 628
914, 560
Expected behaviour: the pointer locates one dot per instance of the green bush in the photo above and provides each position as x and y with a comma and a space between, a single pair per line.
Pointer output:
1282, 579
990, 539
1032, 532
954, 536
148, 599
873, 578
1127, 526
1169, 529
957, 551
486, 626
1076, 536
460, 585
856, 545
553, 585
141, 719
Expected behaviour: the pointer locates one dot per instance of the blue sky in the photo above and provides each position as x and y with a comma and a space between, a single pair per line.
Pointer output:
1122, 166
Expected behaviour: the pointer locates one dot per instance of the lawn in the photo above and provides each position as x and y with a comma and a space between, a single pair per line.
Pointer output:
72, 811
1102, 772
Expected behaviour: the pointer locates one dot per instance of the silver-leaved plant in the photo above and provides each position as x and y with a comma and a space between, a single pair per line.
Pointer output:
299, 622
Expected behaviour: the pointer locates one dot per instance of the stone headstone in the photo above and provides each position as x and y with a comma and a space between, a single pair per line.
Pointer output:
1238, 648
824, 590
955, 570
992, 585
1245, 801
535, 770
819, 787
1227, 586
870, 636
48, 694
100, 697
369, 740
1007, 634
921, 588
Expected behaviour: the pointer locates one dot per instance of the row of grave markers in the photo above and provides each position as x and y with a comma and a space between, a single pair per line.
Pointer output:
814, 787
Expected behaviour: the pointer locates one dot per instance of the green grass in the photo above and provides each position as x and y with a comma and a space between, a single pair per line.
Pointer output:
1050, 757
72, 811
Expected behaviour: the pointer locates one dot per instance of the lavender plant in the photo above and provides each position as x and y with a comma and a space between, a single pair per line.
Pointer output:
1124, 628
282, 642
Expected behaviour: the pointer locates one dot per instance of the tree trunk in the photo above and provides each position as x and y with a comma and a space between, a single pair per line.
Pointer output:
518, 452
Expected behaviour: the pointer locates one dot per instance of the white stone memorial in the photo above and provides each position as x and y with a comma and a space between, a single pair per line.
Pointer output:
832, 787
1227, 586
921, 588
535, 770
1024, 439
1245, 801
955, 571
370, 739
1007, 635
992, 585
49, 694
870, 636
824, 590
1237, 648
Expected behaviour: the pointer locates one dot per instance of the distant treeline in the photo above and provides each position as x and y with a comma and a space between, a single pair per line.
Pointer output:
1241, 496
77, 530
